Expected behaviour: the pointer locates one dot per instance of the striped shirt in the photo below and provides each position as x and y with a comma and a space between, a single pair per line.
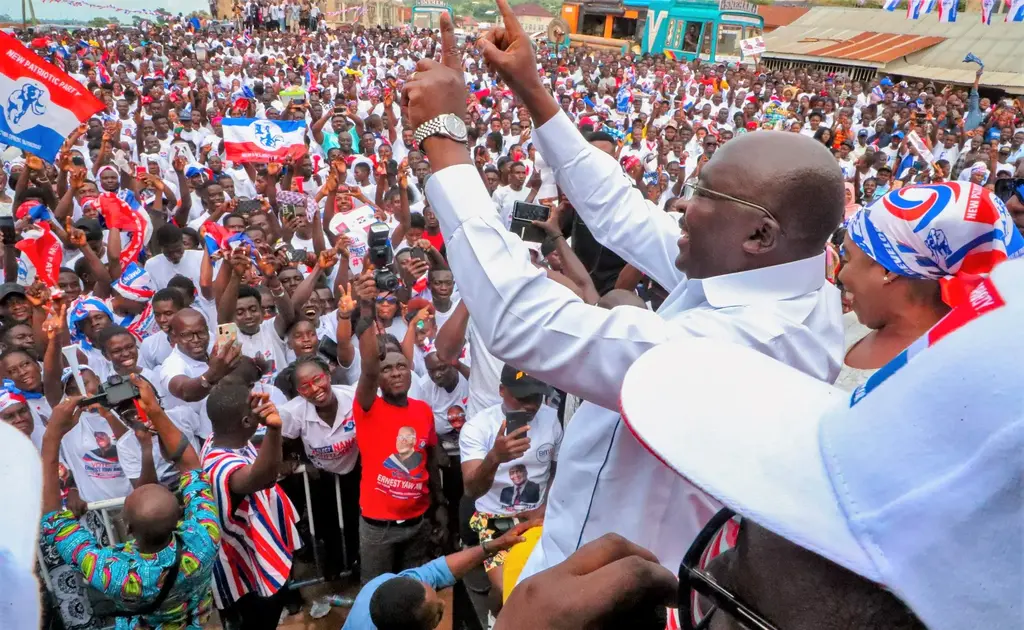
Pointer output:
258, 531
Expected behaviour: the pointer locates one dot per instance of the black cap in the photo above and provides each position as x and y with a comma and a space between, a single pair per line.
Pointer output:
520, 384
11, 288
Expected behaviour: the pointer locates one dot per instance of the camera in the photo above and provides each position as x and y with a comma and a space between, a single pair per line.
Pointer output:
380, 255
117, 394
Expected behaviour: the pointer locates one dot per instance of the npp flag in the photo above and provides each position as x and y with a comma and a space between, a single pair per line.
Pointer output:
914, 8
622, 99
1016, 11
263, 140
44, 251
890, 5
947, 10
41, 104
986, 11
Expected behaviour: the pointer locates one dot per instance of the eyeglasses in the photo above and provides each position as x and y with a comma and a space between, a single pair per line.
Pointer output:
1007, 188
387, 299
317, 382
696, 585
194, 336
691, 190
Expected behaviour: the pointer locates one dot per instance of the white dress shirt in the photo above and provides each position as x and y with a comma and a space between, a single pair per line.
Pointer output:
607, 481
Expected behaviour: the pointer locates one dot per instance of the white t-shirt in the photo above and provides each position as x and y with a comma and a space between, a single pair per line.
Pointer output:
485, 377
505, 497
97, 471
355, 224
449, 407
129, 451
266, 343
163, 269
330, 448
178, 364
154, 350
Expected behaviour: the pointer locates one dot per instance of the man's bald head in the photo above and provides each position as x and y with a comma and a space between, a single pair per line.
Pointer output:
184, 318
795, 179
152, 513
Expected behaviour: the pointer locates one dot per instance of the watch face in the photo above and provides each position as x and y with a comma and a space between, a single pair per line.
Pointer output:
454, 126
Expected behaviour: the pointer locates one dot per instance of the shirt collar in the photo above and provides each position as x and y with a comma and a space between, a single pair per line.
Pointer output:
767, 284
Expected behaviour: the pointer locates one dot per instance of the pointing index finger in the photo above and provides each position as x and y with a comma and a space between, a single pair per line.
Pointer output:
449, 52
512, 25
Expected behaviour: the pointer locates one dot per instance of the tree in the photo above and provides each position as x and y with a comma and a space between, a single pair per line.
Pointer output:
99, 22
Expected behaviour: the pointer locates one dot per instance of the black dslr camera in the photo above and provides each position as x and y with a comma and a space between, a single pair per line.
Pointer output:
117, 394
380, 257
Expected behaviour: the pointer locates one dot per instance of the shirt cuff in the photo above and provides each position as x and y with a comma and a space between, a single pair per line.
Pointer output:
451, 193
559, 141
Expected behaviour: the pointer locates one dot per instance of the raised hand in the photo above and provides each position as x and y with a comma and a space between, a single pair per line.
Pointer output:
265, 410
56, 322
342, 246
346, 305
366, 286
327, 259
37, 294
507, 50
438, 88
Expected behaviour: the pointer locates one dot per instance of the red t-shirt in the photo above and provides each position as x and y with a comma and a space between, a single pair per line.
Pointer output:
393, 444
435, 239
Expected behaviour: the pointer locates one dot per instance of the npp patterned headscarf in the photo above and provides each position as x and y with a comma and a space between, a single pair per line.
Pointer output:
954, 232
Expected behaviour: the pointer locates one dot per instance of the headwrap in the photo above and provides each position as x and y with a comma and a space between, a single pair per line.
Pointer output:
9, 399
81, 309
135, 284
9, 386
952, 232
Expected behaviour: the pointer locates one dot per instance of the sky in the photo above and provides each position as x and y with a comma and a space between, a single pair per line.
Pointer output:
57, 10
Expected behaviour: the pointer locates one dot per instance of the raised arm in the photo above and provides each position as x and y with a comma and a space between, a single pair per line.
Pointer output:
262, 473
451, 338
369, 372
605, 199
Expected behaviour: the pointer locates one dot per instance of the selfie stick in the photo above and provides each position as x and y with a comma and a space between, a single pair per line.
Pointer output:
71, 354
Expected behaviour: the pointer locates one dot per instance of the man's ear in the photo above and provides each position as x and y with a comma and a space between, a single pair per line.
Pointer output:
764, 238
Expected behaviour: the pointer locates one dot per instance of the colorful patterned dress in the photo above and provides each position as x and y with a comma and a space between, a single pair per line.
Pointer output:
134, 578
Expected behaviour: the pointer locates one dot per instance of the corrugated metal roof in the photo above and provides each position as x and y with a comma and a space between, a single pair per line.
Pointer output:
775, 16
877, 47
998, 44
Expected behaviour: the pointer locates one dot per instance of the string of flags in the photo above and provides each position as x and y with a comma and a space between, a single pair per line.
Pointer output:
105, 7
947, 9
357, 10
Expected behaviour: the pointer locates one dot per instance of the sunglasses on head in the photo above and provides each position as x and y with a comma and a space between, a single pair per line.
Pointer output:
1010, 187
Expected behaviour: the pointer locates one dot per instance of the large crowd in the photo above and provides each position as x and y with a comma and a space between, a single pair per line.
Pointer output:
379, 310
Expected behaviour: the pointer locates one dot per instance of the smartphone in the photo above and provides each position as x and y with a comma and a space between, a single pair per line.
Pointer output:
78, 160
418, 252
287, 211
522, 215
248, 206
299, 255
7, 231
140, 172
227, 334
516, 419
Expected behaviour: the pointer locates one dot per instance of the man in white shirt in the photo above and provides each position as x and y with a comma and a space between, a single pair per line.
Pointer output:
747, 267
175, 259
509, 453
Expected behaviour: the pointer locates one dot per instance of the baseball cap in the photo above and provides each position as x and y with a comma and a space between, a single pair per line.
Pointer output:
11, 288
912, 482
520, 384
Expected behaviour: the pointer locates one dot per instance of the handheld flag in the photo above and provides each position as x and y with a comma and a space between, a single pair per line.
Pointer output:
623, 99
44, 251
263, 140
41, 103
986, 11
890, 5
972, 58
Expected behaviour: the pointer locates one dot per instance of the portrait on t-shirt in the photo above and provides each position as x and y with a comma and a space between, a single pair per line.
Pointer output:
406, 459
456, 417
522, 492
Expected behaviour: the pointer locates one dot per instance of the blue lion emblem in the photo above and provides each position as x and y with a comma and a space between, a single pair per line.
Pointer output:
266, 136
937, 243
28, 99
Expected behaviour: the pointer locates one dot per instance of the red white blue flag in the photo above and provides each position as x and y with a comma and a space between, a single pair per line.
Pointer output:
263, 140
41, 103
